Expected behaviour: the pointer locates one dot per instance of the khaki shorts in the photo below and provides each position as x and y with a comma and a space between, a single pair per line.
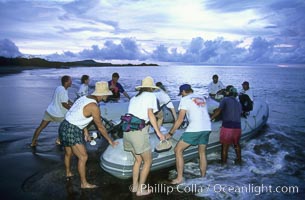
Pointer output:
137, 141
50, 118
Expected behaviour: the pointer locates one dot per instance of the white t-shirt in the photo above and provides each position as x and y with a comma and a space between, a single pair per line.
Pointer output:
139, 105
83, 90
196, 112
214, 88
75, 115
248, 92
163, 98
56, 108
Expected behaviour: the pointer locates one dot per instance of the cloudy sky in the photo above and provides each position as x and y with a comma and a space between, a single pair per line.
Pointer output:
186, 31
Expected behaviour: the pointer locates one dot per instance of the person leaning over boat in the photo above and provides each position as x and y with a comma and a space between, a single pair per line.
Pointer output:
116, 88
143, 106
73, 129
84, 87
216, 88
230, 131
57, 108
163, 100
196, 133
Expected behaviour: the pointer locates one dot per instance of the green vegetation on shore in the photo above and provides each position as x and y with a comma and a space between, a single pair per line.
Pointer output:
39, 62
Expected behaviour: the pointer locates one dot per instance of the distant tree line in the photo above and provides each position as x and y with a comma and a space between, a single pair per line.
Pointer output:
39, 62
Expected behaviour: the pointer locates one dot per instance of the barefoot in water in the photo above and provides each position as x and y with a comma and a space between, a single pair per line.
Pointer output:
33, 144
88, 186
177, 181
143, 192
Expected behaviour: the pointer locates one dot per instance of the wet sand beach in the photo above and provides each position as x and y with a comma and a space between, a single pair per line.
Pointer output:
38, 173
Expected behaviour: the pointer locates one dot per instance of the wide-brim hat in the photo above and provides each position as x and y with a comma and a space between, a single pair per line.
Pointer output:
101, 89
147, 82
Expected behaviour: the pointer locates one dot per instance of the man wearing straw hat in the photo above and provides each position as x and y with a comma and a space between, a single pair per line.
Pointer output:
143, 106
74, 127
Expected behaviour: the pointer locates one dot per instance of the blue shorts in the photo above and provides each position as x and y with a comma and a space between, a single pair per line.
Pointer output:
196, 138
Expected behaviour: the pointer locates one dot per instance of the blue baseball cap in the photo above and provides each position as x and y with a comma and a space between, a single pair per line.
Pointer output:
184, 87
245, 83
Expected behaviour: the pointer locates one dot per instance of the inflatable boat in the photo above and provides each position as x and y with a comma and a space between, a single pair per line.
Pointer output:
119, 163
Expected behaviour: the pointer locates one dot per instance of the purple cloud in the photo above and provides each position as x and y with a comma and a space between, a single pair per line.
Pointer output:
9, 49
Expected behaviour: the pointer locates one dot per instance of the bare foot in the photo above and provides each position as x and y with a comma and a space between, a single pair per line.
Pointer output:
88, 186
143, 192
177, 181
69, 176
134, 188
33, 144
237, 161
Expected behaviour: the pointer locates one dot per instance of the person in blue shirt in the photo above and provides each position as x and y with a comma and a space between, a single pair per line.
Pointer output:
230, 132
116, 88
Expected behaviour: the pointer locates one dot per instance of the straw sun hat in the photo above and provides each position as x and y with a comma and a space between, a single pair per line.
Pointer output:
147, 82
101, 89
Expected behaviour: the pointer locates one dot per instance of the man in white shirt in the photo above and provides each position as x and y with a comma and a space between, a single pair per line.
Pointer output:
57, 108
246, 90
215, 87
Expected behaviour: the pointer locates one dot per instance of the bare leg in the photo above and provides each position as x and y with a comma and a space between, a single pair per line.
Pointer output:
202, 159
37, 132
68, 157
80, 151
224, 153
136, 172
159, 117
180, 161
238, 153
147, 160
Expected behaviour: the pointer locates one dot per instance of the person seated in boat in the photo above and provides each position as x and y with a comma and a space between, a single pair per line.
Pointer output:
216, 88
84, 87
116, 88
246, 99
196, 133
163, 100
136, 139
73, 130
230, 132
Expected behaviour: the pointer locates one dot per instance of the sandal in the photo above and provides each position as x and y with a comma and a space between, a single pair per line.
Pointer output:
164, 145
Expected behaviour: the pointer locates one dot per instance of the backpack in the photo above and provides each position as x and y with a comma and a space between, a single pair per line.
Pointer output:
246, 103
